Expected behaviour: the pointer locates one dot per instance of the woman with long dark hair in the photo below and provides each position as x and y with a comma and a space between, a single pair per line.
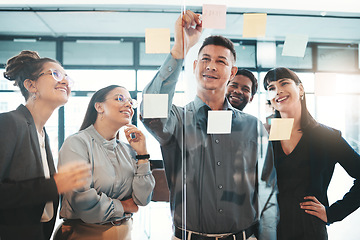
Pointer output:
121, 177
305, 164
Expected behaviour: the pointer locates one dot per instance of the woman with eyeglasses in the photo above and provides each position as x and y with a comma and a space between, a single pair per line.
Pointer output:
121, 177
305, 164
29, 184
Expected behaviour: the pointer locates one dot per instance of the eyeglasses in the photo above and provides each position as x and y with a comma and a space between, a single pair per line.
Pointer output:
123, 100
59, 76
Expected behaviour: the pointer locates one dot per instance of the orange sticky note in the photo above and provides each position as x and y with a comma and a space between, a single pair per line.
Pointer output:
281, 129
214, 16
157, 40
254, 25
325, 84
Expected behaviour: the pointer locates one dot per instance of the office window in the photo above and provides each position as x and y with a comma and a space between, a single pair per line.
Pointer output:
105, 53
10, 48
337, 58
145, 76
152, 59
245, 55
293, 62
93, 80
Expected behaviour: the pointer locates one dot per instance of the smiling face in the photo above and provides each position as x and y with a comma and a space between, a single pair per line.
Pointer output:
48, 90
238, 91
214, 68
285, 95
113, 111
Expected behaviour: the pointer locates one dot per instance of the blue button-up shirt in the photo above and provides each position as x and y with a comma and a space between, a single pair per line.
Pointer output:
215, 175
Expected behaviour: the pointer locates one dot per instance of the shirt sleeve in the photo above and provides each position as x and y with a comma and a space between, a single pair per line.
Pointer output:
349, 159
15, 193
164, 82
88, 205
143, 184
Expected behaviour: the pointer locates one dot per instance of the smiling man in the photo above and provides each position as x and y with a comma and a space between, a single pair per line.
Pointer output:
241, 89
212, 177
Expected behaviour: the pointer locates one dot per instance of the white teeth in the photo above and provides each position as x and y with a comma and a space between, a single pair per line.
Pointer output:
61, 89
281, 99
208, 76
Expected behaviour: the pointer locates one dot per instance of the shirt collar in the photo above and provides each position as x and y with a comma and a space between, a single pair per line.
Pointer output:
200, 104
109, 144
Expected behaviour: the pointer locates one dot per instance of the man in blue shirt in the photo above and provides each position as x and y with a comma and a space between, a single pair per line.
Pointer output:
212, 177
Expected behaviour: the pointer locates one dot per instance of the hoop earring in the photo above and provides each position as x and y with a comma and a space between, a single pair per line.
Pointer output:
302, 97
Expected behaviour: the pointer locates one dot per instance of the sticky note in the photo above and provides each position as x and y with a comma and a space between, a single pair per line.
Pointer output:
157, 40
325, 84
254, 25
155, 105
280, 129
214, 16
219, 122
295, 45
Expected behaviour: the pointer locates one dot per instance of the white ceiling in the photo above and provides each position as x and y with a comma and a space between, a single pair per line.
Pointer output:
120, 20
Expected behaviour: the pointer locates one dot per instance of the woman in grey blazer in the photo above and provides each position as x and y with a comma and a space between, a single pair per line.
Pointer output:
29, 184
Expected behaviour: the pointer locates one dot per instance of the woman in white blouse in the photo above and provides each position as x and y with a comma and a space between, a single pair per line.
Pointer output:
121, 177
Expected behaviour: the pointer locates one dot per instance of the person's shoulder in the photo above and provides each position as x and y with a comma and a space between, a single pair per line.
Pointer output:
81, 136
324, 132
245, 116
14, 117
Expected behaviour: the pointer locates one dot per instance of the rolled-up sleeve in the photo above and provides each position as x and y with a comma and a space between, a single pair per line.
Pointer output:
164, 82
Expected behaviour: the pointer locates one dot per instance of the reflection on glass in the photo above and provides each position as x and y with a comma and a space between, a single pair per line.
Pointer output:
92, 80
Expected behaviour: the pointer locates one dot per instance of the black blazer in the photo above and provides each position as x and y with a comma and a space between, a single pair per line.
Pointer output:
326, 149
23, 187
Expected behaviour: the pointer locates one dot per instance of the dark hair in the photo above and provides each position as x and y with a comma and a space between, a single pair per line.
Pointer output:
26, 65
91, 113
250, 75
219, 41
275, 74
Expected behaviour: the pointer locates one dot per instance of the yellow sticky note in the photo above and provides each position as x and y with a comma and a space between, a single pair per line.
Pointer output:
219, 122
254, 25
214, 16
157, 40
281, 129
295, 45
325, 84
155, 105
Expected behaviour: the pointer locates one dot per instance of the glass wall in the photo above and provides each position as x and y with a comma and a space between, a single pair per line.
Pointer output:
98, 62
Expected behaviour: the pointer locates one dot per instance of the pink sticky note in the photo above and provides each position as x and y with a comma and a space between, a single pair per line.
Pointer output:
325, 84
157, 40
254, 25
214, 16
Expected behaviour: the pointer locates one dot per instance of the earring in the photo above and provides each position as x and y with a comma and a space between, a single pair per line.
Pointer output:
34, 97
101, 115
302, 97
